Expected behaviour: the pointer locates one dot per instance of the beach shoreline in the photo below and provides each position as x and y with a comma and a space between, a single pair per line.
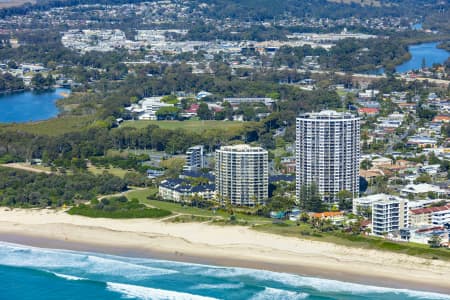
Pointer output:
197, 243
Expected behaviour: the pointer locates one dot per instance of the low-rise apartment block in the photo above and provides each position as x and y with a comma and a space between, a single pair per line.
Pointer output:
389, 215
180, 190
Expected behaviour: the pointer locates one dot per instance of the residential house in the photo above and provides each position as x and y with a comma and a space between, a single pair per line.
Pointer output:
422, 190
336, 217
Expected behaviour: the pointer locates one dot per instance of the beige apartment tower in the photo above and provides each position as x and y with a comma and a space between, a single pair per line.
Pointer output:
242, 175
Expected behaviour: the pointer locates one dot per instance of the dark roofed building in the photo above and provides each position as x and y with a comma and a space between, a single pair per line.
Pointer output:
181, 190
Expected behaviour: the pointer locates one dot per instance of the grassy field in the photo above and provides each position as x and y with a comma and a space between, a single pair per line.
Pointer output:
190, 125
52, 127
342, 93
177, 208
113, 171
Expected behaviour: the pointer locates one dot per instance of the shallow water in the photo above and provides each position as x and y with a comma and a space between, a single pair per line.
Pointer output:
36, 273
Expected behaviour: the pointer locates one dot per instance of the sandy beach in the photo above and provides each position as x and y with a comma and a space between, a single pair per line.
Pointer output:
222, 245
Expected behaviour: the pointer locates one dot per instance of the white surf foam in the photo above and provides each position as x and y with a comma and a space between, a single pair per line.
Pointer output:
100, 265
68, 277
18, 255
271, 293
55, 260
221, 286
145, 293
322, 285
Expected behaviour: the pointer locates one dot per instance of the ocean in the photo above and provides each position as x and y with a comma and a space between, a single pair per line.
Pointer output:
36, 273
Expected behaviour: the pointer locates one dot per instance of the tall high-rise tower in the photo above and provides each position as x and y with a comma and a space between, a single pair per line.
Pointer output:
242, 175
327, 153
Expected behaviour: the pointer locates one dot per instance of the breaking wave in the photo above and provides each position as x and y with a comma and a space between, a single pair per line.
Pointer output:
146, 293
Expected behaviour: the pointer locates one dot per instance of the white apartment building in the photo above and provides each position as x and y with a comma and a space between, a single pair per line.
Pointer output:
238, 101
389, 215
361, 204
195, 158
328, 153
150, 106
242, 175
439, 215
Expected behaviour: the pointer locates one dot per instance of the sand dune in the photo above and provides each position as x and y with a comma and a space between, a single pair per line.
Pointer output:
223, 245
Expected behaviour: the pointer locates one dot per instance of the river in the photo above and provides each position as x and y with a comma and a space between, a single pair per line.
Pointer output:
30, 106
428, 51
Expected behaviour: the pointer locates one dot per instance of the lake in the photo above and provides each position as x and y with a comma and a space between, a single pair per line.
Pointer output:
429, 51
30, 106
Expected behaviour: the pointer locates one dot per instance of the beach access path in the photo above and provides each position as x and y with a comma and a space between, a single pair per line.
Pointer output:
25, 167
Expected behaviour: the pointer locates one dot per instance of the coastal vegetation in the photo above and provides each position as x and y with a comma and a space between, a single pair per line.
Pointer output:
40, 82
10, 83
445, 45
117, 208
51, 127
28, 189
305, 228
305, 231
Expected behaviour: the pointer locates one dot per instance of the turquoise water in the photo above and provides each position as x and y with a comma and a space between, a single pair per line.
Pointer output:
29, 106
35, 273
429, 51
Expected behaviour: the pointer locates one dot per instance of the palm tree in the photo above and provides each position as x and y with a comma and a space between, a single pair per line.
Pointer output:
435, 241
229, 206
304, 217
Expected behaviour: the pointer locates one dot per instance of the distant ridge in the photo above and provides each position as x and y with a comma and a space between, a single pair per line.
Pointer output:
436, 13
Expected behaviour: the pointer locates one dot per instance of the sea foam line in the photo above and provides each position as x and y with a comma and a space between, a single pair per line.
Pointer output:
319, 284
50, 259
68, 277
296, 281
146, 293
272, 293
222, 286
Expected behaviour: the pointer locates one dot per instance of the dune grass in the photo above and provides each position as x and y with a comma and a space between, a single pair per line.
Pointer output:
288, 228
51, 127
359, 241
144, 195
117, 208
